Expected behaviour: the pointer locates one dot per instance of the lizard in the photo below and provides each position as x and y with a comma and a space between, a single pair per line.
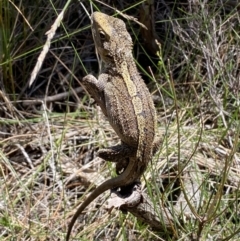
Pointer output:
126, 102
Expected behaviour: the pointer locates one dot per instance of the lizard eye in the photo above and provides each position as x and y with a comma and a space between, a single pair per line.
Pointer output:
102, 35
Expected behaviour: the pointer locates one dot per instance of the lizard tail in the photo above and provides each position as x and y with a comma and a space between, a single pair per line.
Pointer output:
122, 180
99, 190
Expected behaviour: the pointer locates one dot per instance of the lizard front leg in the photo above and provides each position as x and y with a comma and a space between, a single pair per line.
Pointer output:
95, 87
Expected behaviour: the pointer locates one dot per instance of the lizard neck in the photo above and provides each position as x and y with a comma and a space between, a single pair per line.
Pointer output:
122, 65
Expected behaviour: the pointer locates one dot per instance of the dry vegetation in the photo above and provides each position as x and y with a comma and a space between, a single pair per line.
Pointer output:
50, 132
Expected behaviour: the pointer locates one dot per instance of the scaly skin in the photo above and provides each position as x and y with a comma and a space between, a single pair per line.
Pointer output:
126, 102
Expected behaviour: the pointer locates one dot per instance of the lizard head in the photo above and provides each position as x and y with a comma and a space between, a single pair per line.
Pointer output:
111, 38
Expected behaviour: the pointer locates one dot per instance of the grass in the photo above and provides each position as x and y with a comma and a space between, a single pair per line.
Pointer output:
48, 141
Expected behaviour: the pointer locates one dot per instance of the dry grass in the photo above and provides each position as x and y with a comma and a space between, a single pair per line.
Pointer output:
50, 133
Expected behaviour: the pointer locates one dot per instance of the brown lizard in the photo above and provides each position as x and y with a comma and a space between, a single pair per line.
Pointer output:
125, 101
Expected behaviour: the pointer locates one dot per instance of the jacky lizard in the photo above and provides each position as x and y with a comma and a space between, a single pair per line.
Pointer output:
125, 101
